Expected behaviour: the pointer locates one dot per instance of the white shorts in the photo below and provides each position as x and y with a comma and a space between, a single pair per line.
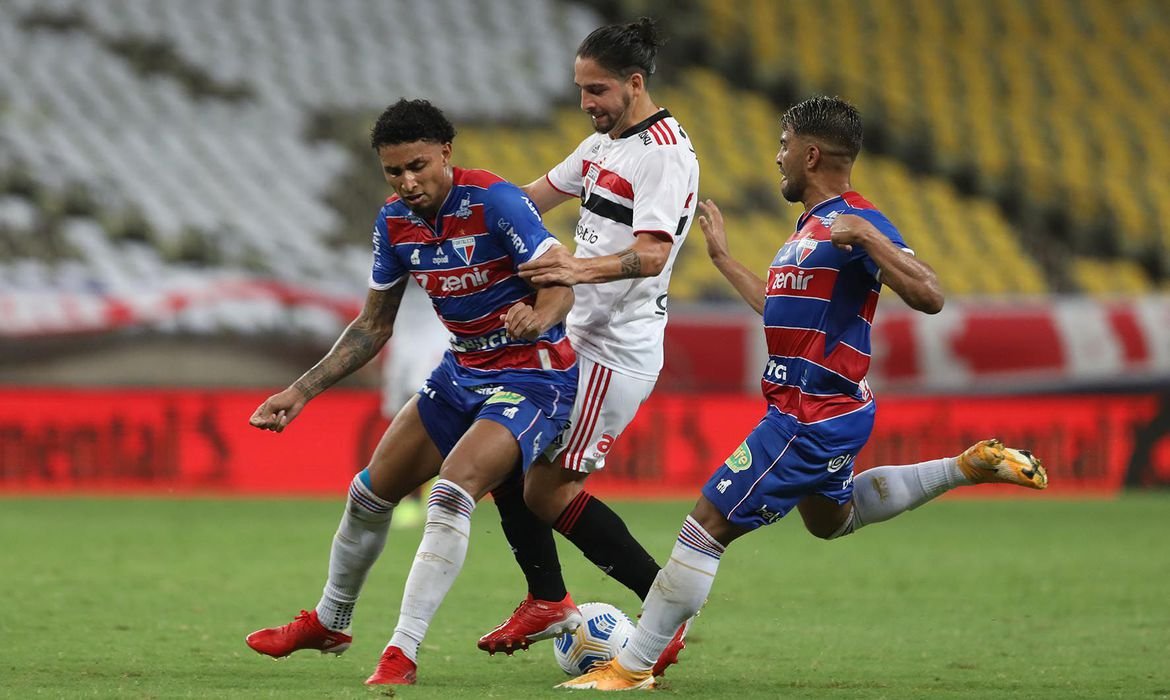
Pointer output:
606, 403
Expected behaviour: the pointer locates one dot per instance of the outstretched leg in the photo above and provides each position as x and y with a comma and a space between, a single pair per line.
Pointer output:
881, 493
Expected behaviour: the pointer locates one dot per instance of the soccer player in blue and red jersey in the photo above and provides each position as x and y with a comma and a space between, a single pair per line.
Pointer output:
818, 304
500, 395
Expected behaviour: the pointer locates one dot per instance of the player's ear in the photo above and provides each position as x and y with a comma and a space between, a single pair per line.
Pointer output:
445, 150
637, 81
812, 156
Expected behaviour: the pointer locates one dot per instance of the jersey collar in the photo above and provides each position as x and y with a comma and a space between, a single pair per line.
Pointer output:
645, 123
805, 216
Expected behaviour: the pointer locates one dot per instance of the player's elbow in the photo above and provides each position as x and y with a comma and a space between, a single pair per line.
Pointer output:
930, 303
654, 261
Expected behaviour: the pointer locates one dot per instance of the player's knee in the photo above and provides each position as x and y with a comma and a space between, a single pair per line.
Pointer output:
827, 530
548, 501
540, 506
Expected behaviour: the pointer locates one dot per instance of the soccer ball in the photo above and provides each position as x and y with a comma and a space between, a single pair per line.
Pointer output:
603, 632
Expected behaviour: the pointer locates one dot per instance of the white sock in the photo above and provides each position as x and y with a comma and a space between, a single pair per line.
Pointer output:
883, 492
359, 540
438, 561
678, 592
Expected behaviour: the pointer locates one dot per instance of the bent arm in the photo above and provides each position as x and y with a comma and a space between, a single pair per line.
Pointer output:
358, 344
747, 283
909, 277
544, 195
646, 258
750, 286
552, 306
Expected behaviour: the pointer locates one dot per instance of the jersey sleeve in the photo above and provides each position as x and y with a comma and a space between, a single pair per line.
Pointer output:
888, 230
662, 196
568, 176
512, 217
388, 269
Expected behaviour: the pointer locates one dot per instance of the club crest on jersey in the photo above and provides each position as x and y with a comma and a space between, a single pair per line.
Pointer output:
591, 178
465, 247
464, 210
805, 248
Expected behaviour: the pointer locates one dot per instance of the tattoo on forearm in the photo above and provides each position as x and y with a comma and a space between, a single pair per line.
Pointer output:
358, 344
353, 349
631, 263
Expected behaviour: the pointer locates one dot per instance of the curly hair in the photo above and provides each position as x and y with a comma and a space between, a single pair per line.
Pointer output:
407, 121
831, 119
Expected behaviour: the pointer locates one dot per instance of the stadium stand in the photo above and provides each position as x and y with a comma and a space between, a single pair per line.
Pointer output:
144, 141
736, 135
148, 147
1056, 109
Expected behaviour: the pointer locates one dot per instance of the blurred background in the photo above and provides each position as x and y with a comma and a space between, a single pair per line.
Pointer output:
187, 191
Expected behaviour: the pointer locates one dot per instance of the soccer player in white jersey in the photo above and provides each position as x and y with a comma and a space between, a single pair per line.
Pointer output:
637, 178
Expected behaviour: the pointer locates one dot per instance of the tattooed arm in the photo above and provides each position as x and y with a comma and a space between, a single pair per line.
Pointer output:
645, 258
359, 343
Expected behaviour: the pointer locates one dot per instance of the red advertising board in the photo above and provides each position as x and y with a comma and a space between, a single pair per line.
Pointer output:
189, 441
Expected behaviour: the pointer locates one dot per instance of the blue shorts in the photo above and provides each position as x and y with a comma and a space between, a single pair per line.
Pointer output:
782, 461
533, 404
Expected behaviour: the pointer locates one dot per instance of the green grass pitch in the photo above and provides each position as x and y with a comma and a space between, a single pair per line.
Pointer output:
1029, 598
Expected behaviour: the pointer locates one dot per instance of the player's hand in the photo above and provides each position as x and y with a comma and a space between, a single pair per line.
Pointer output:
556, 266
522, 322
849, 230
278, 410
711, 221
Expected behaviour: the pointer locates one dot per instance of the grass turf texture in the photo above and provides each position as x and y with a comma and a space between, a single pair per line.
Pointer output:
1030, 598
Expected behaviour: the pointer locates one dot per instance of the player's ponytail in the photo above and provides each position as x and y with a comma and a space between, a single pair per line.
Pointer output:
624, 49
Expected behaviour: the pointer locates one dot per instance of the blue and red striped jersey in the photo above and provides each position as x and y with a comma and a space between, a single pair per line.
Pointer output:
466, 262
817, 316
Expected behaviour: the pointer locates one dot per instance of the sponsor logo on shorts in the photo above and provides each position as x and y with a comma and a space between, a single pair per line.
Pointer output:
740, 459
536, 440
605, 443
559, 441
836, 463
427, 391
504, 397
510, 413
768, 516
721, 487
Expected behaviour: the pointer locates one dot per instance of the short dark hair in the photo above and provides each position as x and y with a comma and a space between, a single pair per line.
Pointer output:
624, 49
831, 119
407, 121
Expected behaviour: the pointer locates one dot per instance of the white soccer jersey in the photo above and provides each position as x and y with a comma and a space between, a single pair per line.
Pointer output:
646, 180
